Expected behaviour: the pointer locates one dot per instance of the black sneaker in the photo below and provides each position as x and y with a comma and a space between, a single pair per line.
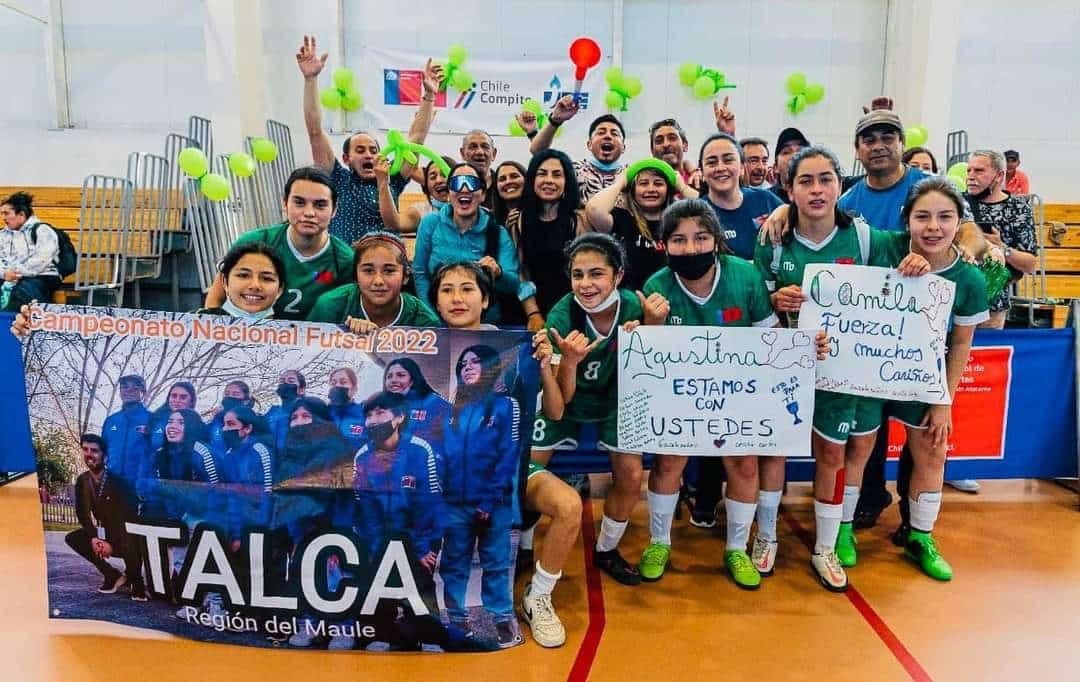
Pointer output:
111, 585
138, 592
866, 516
504, 633
900, 535
612, 563
703, 519
525, 561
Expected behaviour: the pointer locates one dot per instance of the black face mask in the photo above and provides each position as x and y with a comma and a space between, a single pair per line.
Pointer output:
339, 395
287, 392
230, 403
693, 266
380, 433
983, 195
232, 438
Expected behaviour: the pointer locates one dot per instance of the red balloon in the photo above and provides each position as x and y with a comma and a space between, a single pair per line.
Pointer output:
585, 54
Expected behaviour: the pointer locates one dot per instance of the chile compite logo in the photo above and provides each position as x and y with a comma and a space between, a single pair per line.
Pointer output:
555, 92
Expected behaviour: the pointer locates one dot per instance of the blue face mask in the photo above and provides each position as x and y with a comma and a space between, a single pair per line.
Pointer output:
235, 311
605, 167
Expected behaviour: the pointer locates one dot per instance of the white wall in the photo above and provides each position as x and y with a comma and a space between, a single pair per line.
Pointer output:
138, 68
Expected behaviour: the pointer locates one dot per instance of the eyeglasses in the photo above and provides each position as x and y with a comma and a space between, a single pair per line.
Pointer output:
464, 183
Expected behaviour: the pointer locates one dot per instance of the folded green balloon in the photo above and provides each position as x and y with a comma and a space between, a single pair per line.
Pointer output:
662, 167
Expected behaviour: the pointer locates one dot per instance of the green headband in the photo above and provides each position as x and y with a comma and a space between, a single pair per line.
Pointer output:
657, 165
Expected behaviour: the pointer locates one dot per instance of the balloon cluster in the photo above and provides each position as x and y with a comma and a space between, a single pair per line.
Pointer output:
195, 165
623, 88
344, 94
454, 72
531, 105
802, 93
404, 151
916, 136
958, 174
704, 82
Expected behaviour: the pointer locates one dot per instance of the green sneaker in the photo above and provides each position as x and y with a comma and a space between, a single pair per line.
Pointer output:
654, 560
922, 550
741, 569
845, 545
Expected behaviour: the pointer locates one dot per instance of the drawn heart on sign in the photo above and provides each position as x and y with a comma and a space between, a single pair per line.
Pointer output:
719, 442
769, 338
800, 340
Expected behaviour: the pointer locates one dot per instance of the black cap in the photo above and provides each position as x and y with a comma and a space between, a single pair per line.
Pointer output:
790, 135
1012, 155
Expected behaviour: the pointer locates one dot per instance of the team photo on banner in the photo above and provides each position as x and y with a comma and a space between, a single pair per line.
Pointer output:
276, 483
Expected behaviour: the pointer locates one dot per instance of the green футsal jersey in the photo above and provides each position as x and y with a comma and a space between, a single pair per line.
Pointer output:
596, 394
738, 297
334, 306
306, 279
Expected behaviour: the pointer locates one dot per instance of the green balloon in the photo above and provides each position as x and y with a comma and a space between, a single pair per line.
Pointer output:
515, 128
410, 156
914, 136
193, 162
532, 106
263, 150
688, 73
614, 77
798, 104
633, 86
241, 164
215, 187
462, 80
959, 171
613, 99
394, 138
796, 83
330, 98
456, 55
351, 101
925, 133
343, 79
961, 183
704, 87
814, 93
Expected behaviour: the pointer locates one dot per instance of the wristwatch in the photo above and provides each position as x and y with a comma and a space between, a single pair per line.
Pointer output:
1006, 252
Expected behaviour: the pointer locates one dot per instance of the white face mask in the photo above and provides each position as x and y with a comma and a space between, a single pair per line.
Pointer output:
611, 300
236, 311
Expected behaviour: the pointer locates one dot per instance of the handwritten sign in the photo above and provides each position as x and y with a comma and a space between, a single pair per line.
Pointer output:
886, 332
716, 391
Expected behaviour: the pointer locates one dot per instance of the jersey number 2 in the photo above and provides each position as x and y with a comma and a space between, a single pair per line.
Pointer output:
297, 297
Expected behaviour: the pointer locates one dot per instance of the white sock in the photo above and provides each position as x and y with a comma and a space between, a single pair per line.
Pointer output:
611, 532
740, 515
661, 514
527, 538
827, 522
924, 511
768, 507
544, 582
851, 500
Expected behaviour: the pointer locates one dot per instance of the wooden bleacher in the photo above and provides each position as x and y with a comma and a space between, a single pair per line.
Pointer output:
1061, 235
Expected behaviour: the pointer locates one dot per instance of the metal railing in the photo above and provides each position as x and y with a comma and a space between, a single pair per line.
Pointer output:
956, 147
145, 241
104, 218
201, 130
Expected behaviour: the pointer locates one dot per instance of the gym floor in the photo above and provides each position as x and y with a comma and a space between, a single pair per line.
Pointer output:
1010, 613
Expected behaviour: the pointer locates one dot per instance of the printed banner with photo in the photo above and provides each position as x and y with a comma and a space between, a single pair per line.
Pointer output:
280, 484
886, 333
980, 408
716, 391
393, 85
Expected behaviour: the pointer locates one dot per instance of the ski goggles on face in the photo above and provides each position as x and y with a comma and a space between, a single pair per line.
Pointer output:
464, 183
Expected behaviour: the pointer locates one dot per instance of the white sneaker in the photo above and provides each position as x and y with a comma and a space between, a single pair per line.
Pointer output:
829, 571
964, 485
547, 629
764, 555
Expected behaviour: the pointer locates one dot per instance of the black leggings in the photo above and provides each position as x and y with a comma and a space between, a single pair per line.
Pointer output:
79, 541
29, 289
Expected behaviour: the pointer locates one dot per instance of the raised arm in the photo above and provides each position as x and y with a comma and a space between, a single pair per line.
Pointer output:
598, 209
564, 110
418, 131
311, 65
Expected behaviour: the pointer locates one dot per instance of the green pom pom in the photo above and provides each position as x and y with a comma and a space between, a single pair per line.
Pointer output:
241, 164
352, 101
704, 87
688, 73
456, 55
633, 86
532, 106
614, 100
193, 162
330, 98
343, 79
814, 93
796, 83
215, 187
263, 150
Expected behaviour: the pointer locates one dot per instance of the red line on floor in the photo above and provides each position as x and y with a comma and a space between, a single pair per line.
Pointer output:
587, 652
880, 628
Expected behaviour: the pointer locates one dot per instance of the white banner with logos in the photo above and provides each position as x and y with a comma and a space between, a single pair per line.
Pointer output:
886, 332
716, 391
391, 83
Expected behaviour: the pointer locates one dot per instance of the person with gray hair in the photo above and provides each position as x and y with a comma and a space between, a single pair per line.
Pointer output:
755, 162
1006, 221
